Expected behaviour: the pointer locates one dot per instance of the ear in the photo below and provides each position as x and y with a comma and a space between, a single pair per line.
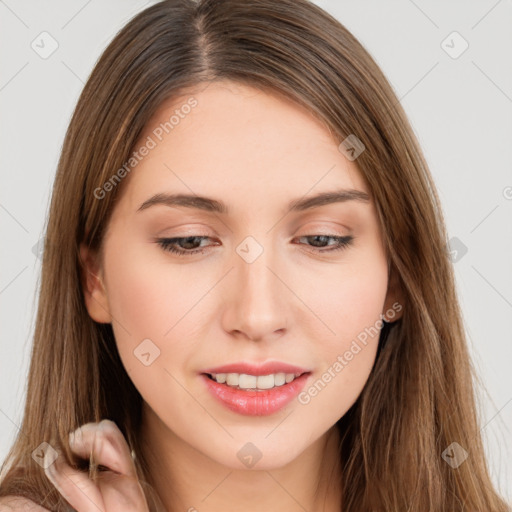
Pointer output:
394, 303
95, 293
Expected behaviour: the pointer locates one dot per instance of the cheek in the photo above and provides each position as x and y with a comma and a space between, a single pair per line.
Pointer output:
351, 311
348, 298
341, 376
147, 300
152, 300
145, 297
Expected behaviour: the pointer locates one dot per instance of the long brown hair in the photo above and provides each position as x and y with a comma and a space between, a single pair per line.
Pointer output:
419, 398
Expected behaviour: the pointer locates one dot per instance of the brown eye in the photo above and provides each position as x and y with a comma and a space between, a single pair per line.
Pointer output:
319, 241
174, 245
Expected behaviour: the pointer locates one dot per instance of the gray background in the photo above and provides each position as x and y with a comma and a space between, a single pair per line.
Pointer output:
460, 107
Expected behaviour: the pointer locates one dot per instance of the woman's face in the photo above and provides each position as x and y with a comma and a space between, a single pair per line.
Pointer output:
270, 285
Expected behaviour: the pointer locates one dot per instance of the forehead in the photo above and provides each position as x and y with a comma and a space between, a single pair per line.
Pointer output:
230, 138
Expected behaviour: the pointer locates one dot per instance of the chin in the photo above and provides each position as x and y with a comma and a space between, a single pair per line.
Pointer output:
263, 455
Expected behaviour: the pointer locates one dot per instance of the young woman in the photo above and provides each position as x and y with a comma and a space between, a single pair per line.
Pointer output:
246, 301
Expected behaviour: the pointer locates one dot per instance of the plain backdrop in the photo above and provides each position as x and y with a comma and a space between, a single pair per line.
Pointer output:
449, 63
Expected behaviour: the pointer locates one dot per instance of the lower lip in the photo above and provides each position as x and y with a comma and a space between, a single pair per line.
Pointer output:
256, 403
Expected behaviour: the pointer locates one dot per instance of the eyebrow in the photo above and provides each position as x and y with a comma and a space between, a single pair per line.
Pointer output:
215, 206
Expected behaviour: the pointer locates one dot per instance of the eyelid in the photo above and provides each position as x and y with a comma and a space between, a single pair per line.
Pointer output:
311, 230
316, 223
184, 232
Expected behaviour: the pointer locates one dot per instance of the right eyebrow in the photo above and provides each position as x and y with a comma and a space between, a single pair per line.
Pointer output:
323, 198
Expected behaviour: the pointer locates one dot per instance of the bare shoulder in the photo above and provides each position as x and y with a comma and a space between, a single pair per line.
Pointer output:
18, 503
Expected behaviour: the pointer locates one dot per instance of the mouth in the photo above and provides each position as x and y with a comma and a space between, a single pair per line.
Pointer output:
248, 382
259, 393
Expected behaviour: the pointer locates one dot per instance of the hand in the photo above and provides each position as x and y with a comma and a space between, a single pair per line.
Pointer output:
115, 490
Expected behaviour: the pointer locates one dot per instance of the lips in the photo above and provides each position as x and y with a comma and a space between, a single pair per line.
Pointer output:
257, 369
256, 402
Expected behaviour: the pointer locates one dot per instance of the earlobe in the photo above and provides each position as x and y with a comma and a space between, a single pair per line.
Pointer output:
95, 293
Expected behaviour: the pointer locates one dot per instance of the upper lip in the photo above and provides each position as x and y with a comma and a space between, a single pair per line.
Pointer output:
258, 369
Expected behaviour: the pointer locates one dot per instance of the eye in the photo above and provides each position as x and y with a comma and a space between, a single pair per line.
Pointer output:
340, 242
170, 244
173, 244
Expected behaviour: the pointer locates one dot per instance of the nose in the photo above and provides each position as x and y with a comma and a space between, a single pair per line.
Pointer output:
257, 301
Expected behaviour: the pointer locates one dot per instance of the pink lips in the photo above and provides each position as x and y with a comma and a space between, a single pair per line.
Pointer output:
260, 402
254, 369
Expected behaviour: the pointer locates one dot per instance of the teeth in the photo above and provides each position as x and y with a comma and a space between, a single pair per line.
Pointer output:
263, 382
248, 381
245, 381
232, 379
280, 378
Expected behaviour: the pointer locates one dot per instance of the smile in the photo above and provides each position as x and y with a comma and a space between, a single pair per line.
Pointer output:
254, 382
253, 400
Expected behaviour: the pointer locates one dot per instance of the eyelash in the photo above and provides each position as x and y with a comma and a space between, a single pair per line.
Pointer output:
168, 244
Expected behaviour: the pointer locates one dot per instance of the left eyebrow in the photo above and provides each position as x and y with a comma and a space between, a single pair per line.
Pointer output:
216, 206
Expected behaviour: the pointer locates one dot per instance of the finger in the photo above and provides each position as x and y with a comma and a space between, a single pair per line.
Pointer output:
107, 444
119, 487
75, 486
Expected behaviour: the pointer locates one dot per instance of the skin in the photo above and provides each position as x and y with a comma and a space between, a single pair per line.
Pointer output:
255, 151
